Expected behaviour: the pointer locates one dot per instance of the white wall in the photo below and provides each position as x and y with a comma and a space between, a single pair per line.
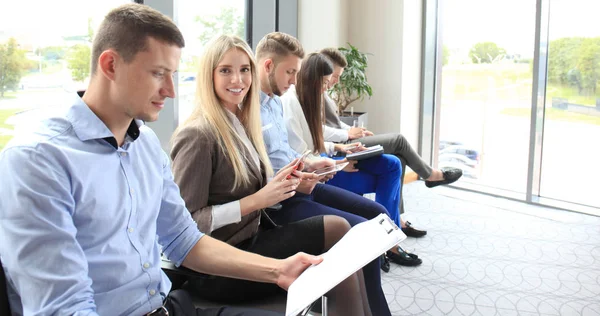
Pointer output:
322, 23
411, 70
391, 31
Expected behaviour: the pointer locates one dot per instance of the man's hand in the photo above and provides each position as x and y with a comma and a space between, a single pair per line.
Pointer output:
350, 167
368, 133
311, 165
356, 132
291, 268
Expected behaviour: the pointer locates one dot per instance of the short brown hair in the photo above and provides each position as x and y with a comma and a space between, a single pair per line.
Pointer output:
126, 30
336, 57
277, 45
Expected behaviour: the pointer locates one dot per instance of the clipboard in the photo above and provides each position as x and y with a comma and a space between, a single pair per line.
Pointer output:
361, 245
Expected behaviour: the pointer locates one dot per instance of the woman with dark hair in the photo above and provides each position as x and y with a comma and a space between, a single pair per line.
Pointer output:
303, 114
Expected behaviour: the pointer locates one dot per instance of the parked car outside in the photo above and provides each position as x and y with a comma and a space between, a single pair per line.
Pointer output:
446, 143
463, 150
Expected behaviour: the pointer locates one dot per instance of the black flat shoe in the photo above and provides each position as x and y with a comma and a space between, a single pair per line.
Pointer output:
412, 255
413, 232
385, 263
403, 258
450, 175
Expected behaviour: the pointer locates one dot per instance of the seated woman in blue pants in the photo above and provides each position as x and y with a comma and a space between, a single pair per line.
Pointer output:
303, 114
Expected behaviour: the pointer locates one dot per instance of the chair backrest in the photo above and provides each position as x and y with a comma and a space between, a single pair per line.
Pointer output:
4, 307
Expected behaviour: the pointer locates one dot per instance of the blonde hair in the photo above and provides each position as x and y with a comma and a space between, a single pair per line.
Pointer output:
208, 109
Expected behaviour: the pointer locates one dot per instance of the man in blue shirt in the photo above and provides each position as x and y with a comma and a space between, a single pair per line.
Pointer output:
88, 202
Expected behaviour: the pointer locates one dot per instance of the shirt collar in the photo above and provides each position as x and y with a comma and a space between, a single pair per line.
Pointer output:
88, 126
264, 98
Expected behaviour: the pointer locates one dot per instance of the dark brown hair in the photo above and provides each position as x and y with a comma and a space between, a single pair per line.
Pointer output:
126, 30
277, 45
336, 57
308, 89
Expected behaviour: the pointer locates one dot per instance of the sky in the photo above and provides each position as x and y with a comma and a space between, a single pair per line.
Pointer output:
511, 23
44, 22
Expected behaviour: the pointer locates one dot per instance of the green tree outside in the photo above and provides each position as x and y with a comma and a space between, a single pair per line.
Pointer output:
588, 65
228, 21
562, 58
12, 66
51, 52
574, 65
486, 53
79, 61
445, 55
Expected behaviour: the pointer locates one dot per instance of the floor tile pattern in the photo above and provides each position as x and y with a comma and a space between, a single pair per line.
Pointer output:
492, 256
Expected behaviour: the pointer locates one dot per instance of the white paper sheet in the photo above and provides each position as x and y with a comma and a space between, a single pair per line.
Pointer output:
361, 245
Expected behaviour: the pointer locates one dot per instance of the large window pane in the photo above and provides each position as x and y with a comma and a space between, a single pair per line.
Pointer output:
44, 55
572, 114
486, 90
200, 21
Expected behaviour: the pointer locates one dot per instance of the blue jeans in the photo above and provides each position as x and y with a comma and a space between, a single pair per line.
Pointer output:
379, 175
329, 200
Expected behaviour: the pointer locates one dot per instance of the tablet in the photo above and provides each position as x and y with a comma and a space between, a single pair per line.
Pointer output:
367, 153
328, 170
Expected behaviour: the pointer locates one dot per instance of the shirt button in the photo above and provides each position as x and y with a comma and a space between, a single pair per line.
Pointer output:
152, 292
123, 154
131, 191
130, 229
146, 265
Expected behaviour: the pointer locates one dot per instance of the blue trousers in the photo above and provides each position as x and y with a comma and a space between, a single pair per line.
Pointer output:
379, 175
329, 200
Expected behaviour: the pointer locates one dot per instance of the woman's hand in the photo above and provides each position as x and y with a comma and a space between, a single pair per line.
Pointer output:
296, 164
281, 187
349, 148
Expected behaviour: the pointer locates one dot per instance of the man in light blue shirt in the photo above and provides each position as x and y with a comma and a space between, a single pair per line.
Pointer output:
274, 132
88, 201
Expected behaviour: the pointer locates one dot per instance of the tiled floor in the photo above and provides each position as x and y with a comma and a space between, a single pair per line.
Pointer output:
491, 256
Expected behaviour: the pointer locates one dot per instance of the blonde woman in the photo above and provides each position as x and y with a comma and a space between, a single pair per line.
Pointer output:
221, 165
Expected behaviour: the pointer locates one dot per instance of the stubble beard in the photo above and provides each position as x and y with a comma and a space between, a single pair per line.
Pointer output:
273, 84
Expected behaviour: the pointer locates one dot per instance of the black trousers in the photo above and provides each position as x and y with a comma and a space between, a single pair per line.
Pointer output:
280, 242
179, 303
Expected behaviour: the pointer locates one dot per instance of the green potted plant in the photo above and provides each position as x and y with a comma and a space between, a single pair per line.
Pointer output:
352, 86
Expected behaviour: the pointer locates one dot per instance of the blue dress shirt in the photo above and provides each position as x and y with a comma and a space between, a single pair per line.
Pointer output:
83, 222
275, 132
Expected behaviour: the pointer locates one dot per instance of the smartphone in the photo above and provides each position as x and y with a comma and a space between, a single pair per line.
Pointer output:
304, 155
332, 169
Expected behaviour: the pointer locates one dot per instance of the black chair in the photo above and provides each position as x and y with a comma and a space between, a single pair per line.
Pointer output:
179, 275
4, 307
